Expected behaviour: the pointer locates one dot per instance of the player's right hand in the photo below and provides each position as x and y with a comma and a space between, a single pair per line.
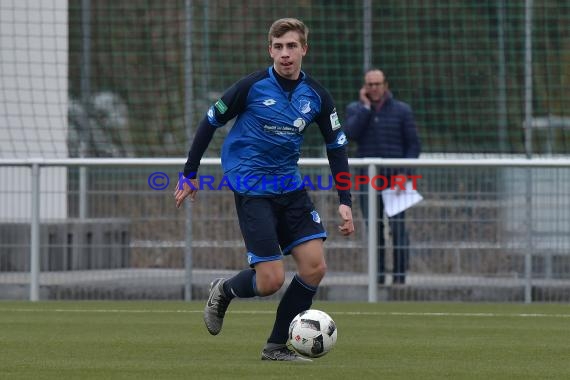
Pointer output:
184, 190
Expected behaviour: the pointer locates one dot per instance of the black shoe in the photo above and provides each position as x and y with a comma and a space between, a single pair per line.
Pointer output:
283, 354
216, 307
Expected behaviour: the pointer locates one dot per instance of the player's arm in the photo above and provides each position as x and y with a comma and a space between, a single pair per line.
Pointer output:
336, 142
338, 163
187, 186
223, 110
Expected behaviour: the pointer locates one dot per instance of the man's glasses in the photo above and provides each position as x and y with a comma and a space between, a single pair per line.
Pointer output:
375, 84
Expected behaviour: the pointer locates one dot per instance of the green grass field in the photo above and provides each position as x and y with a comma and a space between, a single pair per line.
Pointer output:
167, 340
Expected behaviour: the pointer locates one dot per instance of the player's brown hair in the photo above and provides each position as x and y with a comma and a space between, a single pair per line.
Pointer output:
284, 25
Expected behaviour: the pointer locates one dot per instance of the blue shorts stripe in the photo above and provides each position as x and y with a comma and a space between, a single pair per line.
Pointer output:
287, 250
253, 259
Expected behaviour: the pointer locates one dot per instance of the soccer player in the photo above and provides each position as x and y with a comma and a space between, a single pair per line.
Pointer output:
276, 216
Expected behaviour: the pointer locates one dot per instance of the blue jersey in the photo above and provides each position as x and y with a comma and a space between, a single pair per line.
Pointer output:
260, 153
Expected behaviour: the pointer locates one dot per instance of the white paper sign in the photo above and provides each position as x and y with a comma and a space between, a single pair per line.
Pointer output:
397, 200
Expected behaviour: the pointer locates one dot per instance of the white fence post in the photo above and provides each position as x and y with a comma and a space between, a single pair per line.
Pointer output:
372, 237
35, 235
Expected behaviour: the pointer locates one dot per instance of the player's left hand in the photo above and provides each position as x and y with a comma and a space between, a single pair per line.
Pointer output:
184, 191
347, 226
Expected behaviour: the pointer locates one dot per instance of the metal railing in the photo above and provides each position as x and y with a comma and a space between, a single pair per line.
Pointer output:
526, 246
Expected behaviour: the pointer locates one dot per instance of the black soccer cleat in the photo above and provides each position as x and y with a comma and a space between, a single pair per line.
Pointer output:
216, 307
283, 354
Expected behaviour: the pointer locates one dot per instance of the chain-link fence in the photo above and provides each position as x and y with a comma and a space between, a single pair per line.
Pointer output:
485, 231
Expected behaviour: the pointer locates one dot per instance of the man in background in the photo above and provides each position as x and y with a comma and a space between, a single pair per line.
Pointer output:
384, 127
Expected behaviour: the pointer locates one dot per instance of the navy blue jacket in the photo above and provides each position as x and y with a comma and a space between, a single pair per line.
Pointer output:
389, 132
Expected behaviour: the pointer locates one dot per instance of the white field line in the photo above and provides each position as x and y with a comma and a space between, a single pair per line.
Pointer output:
352, 313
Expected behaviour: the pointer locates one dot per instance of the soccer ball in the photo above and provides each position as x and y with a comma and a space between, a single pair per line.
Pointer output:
312, 333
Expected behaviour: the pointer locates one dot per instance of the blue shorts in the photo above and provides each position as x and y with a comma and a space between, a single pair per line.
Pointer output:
273, 226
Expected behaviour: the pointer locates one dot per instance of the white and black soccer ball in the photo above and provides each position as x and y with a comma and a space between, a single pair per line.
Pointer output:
312, 333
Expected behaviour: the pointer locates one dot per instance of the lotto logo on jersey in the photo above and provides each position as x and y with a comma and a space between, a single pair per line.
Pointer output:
335, 122
341, 139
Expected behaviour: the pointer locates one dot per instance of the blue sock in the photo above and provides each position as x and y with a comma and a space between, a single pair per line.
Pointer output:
297, 298
241, 285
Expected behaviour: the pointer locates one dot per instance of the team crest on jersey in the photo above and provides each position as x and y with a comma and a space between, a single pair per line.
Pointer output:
316, 217
335, 122
304, 106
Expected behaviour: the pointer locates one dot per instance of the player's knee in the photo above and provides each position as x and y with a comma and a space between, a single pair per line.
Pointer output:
320, 269
313, 273
269, 282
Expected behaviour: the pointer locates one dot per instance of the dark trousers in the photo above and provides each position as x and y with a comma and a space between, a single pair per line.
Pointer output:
400, 240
